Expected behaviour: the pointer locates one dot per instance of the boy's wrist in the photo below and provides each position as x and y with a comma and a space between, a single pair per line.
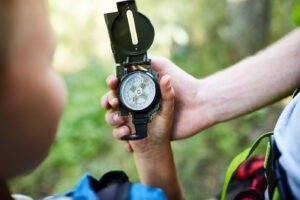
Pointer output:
156, 168
152, 151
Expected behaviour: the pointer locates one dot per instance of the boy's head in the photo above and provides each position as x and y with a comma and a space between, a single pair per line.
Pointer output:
32, 96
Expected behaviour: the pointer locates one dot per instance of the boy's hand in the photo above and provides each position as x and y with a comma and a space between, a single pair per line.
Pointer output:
159, 130
189, 102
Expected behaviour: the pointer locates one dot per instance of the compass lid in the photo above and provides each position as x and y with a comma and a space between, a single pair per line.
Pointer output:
131, 33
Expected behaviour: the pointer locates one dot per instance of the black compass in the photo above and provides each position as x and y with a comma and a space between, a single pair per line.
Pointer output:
131, 35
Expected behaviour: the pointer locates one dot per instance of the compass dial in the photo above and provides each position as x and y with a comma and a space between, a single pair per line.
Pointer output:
137, 91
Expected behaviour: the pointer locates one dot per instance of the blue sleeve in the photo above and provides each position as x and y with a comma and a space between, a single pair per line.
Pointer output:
81, 191
139, 191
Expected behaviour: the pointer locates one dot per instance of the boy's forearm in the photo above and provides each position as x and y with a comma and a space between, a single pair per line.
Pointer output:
156, 168
254, 82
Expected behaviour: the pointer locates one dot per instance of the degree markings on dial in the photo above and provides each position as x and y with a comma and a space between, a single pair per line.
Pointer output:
135, 99
145, 96
132, 88
143, 85
138, 92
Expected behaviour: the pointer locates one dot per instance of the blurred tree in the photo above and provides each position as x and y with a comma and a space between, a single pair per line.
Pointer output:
248, 25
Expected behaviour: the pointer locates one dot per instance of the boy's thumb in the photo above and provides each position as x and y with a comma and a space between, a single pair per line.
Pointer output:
167, 97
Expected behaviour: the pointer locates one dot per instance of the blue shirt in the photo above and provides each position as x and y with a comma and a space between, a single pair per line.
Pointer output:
84, 191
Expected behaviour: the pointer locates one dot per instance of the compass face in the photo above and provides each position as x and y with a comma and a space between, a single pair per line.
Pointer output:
137, 91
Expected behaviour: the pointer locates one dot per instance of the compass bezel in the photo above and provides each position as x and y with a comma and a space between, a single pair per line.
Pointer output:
155, 100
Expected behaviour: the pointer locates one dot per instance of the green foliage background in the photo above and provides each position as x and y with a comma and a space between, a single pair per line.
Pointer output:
189, 33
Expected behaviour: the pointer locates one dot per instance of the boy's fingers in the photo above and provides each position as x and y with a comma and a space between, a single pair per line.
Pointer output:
121, 131
113, 100
107, 101
167, 97
114, 119
104, 103
112, 82
110, 100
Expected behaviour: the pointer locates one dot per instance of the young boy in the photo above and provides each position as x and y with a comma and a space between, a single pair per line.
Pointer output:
33, 99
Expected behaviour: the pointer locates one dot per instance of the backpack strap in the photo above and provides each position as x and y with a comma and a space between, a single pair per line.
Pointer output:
278, 187
277, 181
114, 185
236, 162
296, 92
272, 189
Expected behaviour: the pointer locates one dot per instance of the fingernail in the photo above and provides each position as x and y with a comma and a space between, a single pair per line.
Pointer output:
115, 102
116, 117
168, 84
123, 131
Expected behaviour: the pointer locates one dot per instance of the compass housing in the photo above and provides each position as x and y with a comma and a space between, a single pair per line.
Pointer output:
126, 52
131, 34
139, 92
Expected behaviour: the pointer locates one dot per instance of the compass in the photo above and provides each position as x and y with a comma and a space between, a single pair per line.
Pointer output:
131, 35
138, 90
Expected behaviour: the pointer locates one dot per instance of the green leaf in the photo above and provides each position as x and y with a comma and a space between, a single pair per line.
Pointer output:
296, 13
